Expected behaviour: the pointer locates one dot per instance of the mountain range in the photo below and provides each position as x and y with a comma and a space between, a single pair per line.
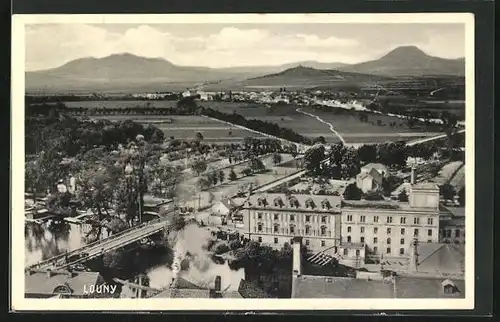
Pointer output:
127, 72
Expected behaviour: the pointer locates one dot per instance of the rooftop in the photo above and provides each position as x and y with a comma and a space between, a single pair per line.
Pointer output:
384, 205
344, 287
441, 258
43, 283
295, 201
425, 186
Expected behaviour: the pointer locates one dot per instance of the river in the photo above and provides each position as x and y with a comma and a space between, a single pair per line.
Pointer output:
48, 240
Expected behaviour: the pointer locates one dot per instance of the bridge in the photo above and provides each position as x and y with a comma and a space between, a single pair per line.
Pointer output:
98, 248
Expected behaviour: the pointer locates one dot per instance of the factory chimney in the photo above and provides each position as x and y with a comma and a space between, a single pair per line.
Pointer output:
413, 264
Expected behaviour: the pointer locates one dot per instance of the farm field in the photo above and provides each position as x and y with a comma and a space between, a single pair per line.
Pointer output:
120, 104
354, 131
345, 123
186, 127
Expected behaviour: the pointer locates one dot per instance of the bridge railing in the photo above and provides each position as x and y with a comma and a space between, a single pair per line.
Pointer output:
86, 258
97, 242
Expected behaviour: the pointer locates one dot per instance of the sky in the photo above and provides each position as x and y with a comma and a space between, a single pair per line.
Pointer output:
229, 45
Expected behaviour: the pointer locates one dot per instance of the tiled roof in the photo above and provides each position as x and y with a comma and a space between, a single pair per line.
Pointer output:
416, 287
184, 293
340, 287
250, 290
457, 211
377, 166
318, 201
425, 186
232, 295
442, 258
41, 283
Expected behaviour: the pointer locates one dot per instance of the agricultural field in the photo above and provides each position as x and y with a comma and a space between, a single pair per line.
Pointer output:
186, 127
120, 104
345, 122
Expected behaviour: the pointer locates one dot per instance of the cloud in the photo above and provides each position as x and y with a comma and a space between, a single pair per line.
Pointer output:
50, 46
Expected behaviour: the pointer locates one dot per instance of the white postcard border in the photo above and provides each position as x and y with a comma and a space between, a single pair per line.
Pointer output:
19, 303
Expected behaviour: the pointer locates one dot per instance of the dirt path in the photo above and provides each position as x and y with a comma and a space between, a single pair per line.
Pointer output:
324, 122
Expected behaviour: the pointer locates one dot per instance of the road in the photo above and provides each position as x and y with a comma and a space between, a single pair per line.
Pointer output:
324, 122
424, 140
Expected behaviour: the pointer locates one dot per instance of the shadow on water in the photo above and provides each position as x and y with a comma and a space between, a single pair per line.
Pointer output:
50, 239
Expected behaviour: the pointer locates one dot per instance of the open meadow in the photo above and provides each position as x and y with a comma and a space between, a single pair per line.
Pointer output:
346, 123
186, 127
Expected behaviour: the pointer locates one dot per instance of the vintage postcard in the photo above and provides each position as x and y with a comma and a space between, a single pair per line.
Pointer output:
243, 162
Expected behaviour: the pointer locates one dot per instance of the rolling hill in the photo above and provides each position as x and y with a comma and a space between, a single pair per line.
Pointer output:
127, 72
307, 77
409, 61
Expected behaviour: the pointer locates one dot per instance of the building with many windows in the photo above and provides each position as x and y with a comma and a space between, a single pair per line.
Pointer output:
276, 218
386, 229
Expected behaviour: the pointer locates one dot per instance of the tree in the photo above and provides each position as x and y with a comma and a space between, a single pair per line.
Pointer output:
389, 184
373, 196
204, 183
461, 197
212, 176
199, 136
294, 151
352, 192
277, 159
199, 166
313, 158
176, 222
337, 152
246, 171
59, 203
447, 191
222, 176
232, 175
367, 153
235, 244
403, 196
256, 165
320, 139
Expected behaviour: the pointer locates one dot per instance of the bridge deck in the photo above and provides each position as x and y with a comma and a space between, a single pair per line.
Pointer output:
100, 247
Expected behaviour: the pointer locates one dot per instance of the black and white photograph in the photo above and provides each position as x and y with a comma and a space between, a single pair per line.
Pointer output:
233, 157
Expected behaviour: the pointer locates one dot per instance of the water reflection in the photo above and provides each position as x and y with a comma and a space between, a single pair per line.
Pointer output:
49, 239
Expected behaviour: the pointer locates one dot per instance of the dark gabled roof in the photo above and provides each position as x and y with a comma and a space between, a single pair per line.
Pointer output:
250, 290
442, 258
344, 287
41, 283
340, 287
415, 287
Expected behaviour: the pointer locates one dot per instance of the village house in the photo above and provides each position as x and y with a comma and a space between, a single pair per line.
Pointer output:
371, 176
275, 218
46, 284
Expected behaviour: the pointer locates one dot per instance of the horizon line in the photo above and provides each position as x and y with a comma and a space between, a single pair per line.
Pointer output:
240, 66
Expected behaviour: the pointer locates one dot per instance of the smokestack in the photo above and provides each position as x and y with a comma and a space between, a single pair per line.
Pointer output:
413, 265
297, 258
412, 178
218, 283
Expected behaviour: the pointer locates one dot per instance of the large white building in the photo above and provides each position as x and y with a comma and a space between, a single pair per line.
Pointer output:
276, 218
387, 228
